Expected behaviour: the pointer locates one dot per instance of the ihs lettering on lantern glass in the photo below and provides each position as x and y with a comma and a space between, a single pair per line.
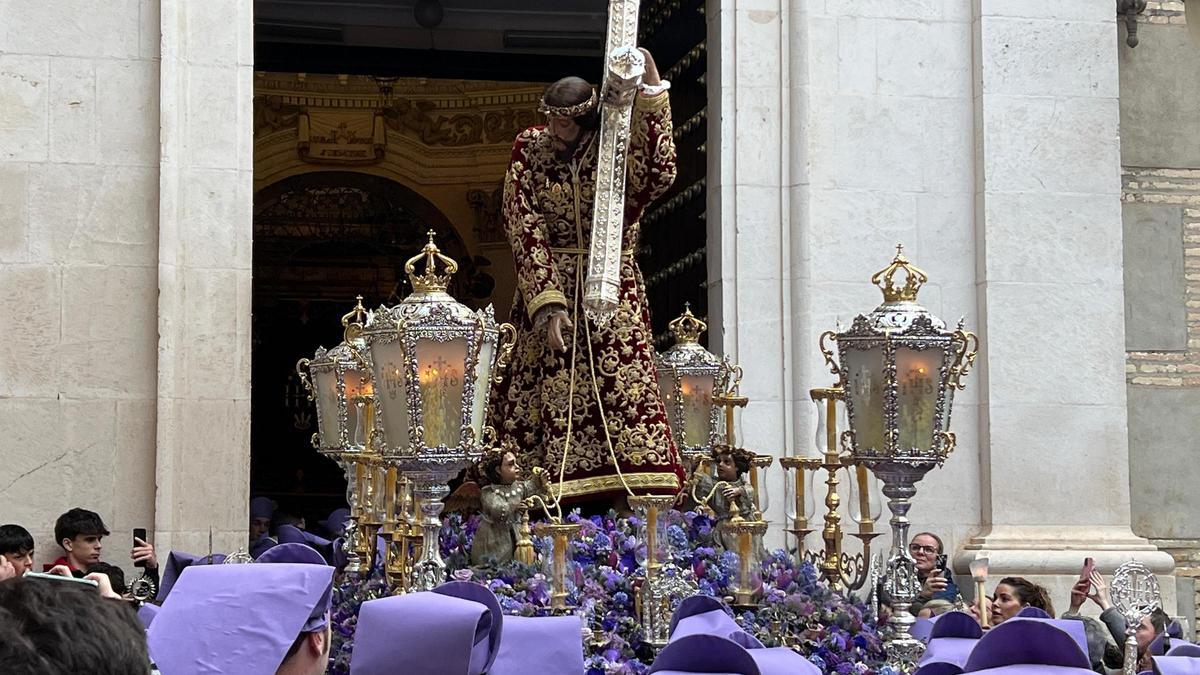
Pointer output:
865, 390
391, 373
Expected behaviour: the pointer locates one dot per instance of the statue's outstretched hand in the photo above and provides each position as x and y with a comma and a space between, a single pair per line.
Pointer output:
555, 325
542, 478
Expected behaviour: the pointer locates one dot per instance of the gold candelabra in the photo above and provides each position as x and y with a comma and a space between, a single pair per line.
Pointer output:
799, 465
747, 531
560, 533
404, 542
652, 505
839, 569
664, 585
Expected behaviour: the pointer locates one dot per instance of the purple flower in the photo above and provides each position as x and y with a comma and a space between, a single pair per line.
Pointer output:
835, 631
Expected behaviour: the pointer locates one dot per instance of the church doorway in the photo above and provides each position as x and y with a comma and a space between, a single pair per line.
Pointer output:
320, 239
375, 122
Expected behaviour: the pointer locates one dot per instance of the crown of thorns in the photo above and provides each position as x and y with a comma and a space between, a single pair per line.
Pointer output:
569, 110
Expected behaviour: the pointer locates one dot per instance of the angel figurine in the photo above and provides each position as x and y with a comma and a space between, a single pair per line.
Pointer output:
730, 494
497, 492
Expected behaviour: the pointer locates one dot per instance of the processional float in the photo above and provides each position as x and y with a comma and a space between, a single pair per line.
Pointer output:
401, 404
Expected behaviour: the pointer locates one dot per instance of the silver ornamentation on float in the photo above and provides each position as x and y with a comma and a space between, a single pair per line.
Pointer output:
899, 368
339, 381
660, 597
688, 376
624, 66
1135, 594
433, 360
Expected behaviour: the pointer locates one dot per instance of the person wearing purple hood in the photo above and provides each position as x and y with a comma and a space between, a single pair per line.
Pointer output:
251, 618
262, 509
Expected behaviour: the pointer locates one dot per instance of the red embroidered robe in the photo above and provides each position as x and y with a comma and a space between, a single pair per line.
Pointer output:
548, 216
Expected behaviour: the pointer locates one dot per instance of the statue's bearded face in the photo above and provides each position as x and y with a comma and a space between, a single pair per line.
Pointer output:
564, 132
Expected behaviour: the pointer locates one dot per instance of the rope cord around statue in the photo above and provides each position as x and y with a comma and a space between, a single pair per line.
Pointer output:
562, 467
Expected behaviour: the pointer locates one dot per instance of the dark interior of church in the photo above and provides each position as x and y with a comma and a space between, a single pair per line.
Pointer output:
325, 236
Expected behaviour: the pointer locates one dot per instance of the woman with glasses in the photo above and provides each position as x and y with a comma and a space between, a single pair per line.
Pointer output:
937, 582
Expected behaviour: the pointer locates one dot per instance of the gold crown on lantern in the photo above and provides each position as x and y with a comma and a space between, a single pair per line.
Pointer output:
914, 279
431, 281
686, 327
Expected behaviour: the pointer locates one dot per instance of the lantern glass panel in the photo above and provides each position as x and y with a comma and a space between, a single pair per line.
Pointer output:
917, 385
327, 406
483, 375
697, 393
865, 387
387, 361
440, 374
358, 389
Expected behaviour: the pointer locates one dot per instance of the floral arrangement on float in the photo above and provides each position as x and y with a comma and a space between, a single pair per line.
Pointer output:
835, 631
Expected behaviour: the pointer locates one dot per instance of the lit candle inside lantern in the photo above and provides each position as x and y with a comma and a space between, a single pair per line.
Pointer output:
440, 377
697, 394
358, 390
917, 394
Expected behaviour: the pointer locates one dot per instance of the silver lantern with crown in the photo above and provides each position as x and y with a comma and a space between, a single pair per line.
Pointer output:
433, 360
899, 367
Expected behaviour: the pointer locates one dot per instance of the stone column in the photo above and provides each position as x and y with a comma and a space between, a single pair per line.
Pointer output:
881, 102
748, 237
78, 266
205, 226
1054, 459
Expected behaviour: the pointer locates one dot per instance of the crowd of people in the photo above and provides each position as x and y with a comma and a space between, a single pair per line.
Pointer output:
79, 614
1017, 596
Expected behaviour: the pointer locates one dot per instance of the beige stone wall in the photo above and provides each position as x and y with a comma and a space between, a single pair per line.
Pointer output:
204, 270
1161, 198
78, 264
1163, 12
125, 268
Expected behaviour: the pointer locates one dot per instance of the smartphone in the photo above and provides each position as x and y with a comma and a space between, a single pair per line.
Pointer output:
139, 533
55, 577
1085, 575
941, 562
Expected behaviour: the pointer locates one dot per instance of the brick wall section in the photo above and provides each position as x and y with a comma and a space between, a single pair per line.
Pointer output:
1182, 187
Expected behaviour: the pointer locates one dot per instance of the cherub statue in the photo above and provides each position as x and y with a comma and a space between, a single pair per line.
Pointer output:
729, 489
495, 489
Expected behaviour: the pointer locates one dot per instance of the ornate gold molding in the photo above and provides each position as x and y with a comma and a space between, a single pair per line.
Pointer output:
436, 113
